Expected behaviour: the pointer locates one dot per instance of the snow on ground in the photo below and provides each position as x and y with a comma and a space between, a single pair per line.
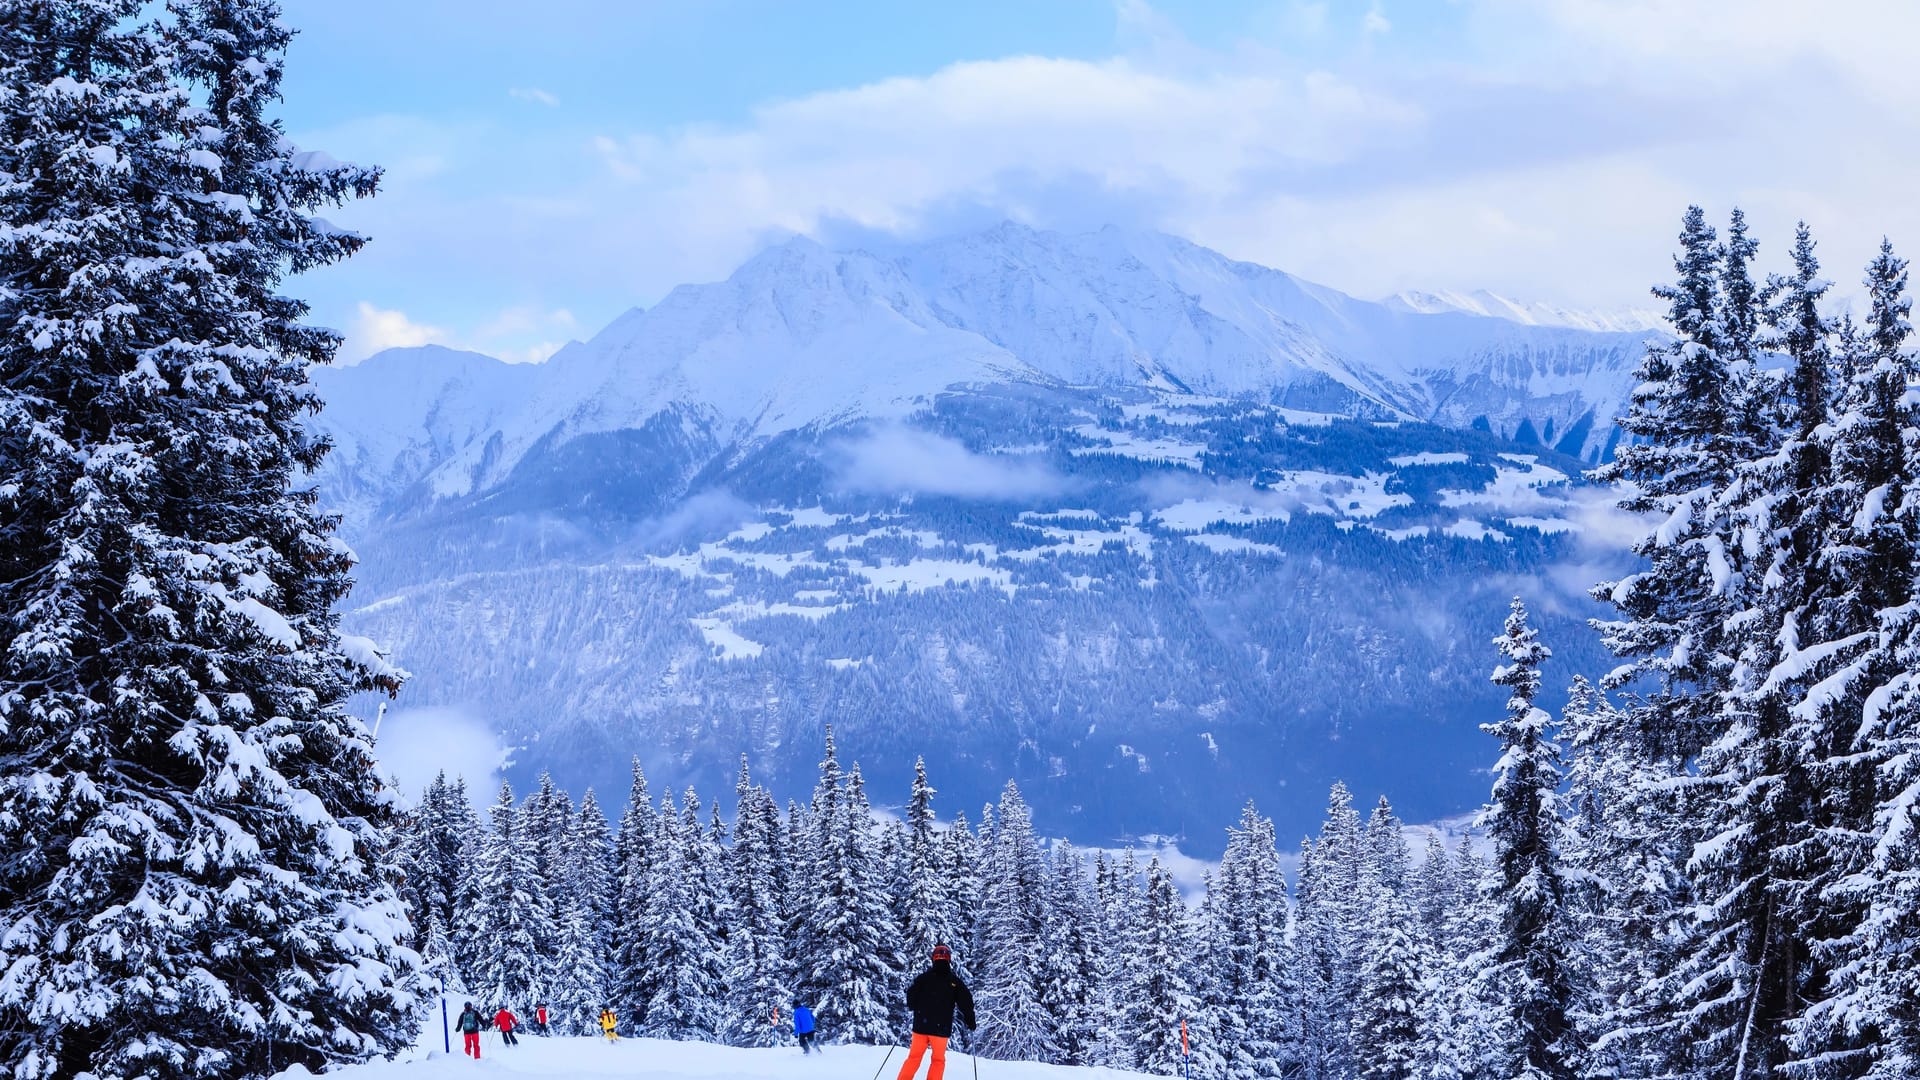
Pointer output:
1428, 457
1124, 444
1193, 515
657, 1059
1234, 545
722, 636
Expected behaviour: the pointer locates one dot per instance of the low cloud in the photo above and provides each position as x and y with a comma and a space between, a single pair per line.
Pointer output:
701, 516
375, 329
535, 95
518, 335
899, 460
415, 745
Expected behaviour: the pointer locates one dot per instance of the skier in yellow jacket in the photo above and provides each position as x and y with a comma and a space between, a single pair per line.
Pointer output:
607, 1025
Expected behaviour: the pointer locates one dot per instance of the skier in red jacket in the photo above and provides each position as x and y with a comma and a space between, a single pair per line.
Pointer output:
504, 1022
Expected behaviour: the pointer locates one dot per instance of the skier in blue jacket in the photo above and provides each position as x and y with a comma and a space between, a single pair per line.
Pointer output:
803, 1027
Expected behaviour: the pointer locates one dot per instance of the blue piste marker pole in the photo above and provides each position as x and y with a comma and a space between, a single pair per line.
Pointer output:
446, 1030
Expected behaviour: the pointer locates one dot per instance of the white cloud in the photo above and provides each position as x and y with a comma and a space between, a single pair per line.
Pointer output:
902, 460
535, 95
377, 328
515, 335
1542, 149
415, 745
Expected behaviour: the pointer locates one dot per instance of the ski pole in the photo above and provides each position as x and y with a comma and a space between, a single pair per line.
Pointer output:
883, 1064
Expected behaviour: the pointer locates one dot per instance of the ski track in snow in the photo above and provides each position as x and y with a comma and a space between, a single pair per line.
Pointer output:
658, 1059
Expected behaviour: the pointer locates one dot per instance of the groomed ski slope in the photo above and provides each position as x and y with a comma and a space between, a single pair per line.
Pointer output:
659, 1059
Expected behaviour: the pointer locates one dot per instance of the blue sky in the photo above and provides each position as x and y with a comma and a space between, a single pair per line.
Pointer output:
551, 164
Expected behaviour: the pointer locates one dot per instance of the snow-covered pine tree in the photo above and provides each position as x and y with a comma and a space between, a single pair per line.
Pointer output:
1873, 1009
850, 919
548, 814
1327, 941
1524, 823
1683, 617
465, 835
1386, 1017
1632, 901
811, 826
1773, 830
686, 996
1014, 1023
637, 851
1121, 899
758, 970
1161, 995
433, 852
512, 917
1250, 894
1208, 1044
1467, 1029
1069, 976
199, 882
1686, 439
932, 917
582, 983
1434, 887
960, 849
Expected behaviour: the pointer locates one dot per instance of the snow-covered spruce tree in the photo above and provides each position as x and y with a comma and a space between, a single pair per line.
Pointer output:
1434, 887
1876, 447
758, 976
1786, 815
548, 814
196, 880
1687, 439
1386, 1018
850, 920
1204, 950
1161, 995
931, 915
1524, 824
582, 983
1630, 906
1014, 1023
1691, 423
1466, 1029
1251, 910
1120, 898
1069, 976
636, 852
511, 922
432, 854
1327, 941
686, 1000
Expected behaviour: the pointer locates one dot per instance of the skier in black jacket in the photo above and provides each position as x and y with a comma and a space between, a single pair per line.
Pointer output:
933, 997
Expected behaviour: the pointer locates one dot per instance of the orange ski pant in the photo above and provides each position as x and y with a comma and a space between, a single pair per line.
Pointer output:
920, 1045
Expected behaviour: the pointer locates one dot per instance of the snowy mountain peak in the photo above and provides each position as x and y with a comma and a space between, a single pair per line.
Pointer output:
803, 336
1492, 305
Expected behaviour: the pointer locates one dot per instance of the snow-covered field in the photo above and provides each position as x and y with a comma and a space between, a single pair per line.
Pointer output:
657, 1059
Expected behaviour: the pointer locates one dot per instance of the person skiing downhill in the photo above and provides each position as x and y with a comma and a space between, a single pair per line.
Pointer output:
505, 1021
803, 1027
933, 997
540, 1019
607, 1025
469, 1025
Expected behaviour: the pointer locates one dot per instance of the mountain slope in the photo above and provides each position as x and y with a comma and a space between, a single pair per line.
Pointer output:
1147, 528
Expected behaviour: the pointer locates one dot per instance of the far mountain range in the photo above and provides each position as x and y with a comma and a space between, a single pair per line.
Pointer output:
1150, 530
